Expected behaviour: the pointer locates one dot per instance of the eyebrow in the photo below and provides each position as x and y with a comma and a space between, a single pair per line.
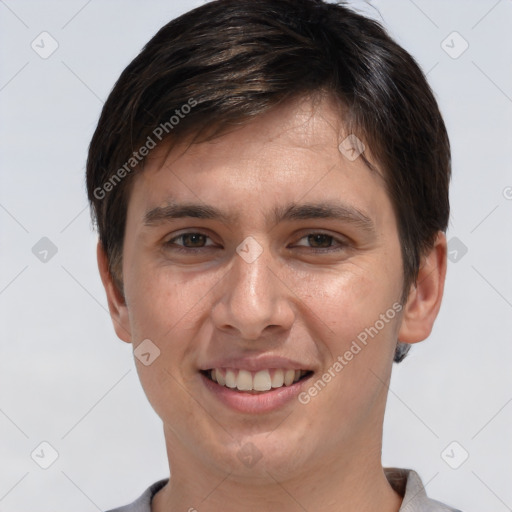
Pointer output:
290, 212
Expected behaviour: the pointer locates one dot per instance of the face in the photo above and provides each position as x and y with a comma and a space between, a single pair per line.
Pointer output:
265, 254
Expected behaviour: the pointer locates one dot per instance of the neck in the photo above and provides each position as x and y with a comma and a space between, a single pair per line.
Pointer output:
333, 483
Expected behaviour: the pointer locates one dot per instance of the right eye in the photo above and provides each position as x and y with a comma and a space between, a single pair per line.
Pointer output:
191, 241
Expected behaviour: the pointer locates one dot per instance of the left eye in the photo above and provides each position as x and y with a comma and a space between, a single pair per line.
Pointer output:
194, 240
324, 240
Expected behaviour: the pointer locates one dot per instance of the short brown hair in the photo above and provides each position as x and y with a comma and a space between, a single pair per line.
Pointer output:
232, 60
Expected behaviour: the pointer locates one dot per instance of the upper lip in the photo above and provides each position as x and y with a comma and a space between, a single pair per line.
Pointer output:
256, 363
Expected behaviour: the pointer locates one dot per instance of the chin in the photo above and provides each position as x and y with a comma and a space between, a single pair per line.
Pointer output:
261, 457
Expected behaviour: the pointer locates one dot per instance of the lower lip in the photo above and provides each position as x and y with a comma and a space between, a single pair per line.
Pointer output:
255, 403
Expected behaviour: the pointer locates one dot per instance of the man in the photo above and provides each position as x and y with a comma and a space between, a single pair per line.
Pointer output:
270, 181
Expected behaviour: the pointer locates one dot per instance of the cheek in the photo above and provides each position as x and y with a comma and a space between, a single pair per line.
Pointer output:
358, 332
164, 301
166, 307
355, 318
351, 296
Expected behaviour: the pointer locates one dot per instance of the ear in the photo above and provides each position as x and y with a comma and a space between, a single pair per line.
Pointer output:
116, 302
425, 296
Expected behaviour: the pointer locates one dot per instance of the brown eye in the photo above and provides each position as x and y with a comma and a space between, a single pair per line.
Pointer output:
195, 239
190, 240
320, 240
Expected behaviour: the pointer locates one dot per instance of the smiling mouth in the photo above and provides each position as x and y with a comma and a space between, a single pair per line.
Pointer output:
255, 382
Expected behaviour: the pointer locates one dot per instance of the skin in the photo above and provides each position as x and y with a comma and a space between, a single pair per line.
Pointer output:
291, 301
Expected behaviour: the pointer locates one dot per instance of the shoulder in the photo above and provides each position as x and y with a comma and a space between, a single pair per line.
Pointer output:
408, 484
143, 502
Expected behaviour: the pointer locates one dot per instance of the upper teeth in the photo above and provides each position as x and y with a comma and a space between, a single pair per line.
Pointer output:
262, 380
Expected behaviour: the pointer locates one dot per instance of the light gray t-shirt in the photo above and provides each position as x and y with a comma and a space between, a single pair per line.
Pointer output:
405, 481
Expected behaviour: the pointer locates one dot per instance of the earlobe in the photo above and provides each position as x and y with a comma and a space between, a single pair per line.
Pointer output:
116, 302
424, 301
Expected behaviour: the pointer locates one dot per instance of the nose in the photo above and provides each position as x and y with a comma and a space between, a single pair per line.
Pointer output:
254, 300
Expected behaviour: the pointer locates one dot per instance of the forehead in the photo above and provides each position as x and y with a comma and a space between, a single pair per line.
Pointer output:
286, 155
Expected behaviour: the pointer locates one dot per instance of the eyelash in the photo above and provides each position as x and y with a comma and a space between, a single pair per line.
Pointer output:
169, 244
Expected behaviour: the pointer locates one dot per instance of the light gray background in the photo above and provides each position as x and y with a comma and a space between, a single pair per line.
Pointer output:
67, 380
